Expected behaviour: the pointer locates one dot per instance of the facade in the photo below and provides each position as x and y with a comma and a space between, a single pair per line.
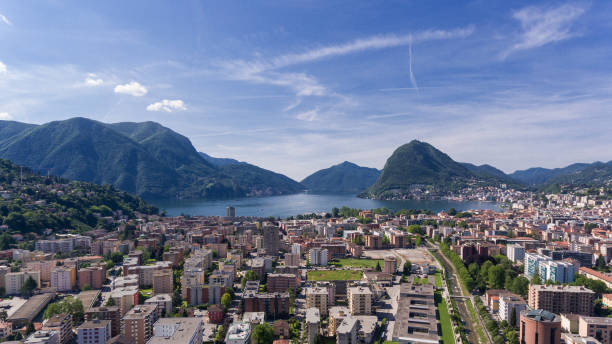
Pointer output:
561, 299
43, 337
163, 282
92, 276
390, 265
110, 313
313, 324
516, 253
13, 281
555, 271
317, 256
532, 263
63, 278
62, 323
360, 300
271, 240
509, 304
94, 332
596, 327
279, 283
292, 259
539, 327
138, 323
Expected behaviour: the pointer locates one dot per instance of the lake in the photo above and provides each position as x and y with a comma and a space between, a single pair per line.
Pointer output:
304, 203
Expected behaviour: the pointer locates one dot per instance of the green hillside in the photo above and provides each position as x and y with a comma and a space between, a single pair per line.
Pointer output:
344, 178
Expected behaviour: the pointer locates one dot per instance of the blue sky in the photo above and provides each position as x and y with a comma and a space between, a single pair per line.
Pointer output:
296, 86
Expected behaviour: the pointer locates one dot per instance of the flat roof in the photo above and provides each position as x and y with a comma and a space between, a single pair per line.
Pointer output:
94, 324
88, 298
29, 310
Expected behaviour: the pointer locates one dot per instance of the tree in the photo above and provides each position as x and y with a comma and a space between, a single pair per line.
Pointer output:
86, 287
248, 276
335, 212
378, 268
407, 267
513, 317
28, 287
219, 336
418, 241
69, 305
520, 285
496, 277
536, 279
263, 334
3, 315
226, 301
30, 328
452, 212
110, 302
600, 264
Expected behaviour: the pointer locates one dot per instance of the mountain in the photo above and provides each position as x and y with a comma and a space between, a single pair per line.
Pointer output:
145, 159
345, 177
419, 165
594, 175
489, 172
538, 176
219, 161
261, 182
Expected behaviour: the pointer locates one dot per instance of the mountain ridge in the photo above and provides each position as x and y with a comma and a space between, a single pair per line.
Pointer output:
345, 177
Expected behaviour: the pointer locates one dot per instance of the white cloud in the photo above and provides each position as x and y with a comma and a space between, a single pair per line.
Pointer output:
93, 80
5, 116
133, 88
167, 106
5, 20
3, 69
542, 26
308, 116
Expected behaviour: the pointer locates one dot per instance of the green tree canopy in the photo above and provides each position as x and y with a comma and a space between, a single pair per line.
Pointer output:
263, 334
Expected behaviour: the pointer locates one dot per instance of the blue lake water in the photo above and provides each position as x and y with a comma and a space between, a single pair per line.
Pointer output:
304, 203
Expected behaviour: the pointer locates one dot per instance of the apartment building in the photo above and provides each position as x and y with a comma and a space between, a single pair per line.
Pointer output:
111, 313
599, 328
138, 323
273, 305
43, 337
516, 253
94, 332
163, 303
278, 283
292, 259
318, 256
163, 282
145, 272
539, 326
509, 304
359, 300
556, 271
63, 278
317, 297
93, 276
561, 299
44, 267
532, 263
177, 331
390, 265
313, 324
13, 281
62, 323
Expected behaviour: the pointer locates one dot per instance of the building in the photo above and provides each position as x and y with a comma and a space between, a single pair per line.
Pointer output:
145, 272
94, 332
238, 333
271, 240
317, 297
596, 327
163, 282
63, 278
230, 211
390, 265
561, 299
29, 310
273, 305
296, 249
138, 323
43, 337
516, 253
555, 271
584, 258
43, 266
317, 256
93, 276
62, 323
279, 283
111, 313
415, 320
125, 298
177, 331
359, 300
346, 333
509, 304
215, 314
313, 324
292, 259
532, 263
163, 302
539, 327
13, 281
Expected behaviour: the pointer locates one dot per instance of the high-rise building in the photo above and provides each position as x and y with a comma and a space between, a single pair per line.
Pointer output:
63, 278
360, 300
390, 265
516, 253
94, 332
313, 324
532, 263
111, 313
561, 299
280, 283
296, 249
509, 304
13, 281
271, 240
230, 211
163, 282
292, 259
138, 323
92, 276
561, 272
317, 297
317, 256
539, 327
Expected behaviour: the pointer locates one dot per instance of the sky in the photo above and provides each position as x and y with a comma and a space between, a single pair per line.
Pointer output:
297, 86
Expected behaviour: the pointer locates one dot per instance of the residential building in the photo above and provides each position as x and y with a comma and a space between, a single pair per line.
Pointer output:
43, 337
125, 298
13, 281
317, 256
599, 328
359, 300
63, 278
238, 333
313, 324
62, 323
532, 263
509, 304
94, 332
93, 276
163, 282
111, 313
163, 302
279, 283
390, 265
415, 320
138, 323
516, 253
346, 333
292, 259
539, 327
317, 297
561, 299
271, 240
557, 272
177, 331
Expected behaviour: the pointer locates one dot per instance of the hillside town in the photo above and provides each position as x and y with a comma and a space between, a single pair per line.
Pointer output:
536, 272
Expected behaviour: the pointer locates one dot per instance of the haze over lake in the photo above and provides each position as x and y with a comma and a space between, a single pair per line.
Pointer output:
305, 203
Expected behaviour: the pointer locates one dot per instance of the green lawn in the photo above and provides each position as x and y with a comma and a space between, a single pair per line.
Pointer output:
479, 329
358, 263
438, 279
445, 320
334, 275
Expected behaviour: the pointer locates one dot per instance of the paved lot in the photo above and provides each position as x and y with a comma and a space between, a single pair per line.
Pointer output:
414, 255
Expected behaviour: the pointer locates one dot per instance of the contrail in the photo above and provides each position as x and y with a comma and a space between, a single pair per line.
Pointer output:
412, 78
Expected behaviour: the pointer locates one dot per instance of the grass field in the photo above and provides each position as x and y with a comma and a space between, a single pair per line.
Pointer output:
358, 263
438, 279
479, 329
445, 320
334, 275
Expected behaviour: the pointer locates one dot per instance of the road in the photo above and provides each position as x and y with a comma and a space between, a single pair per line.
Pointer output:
455, 289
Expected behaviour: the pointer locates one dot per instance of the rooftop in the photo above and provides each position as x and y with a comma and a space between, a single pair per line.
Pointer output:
94, 324
540, 315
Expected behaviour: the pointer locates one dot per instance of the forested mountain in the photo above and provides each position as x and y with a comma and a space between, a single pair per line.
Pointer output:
345, 177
